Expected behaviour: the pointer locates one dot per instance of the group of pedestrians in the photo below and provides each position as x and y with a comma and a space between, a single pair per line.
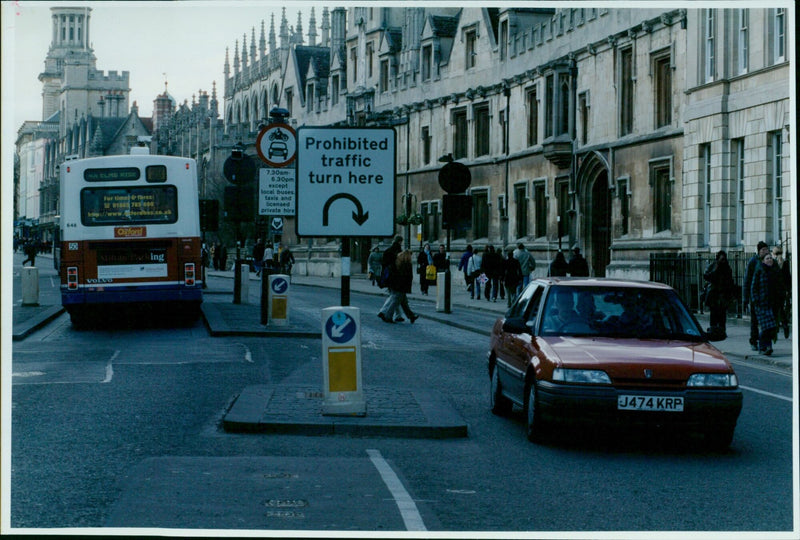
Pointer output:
576, 267
397, 276
264, 258
499, 276
766, 290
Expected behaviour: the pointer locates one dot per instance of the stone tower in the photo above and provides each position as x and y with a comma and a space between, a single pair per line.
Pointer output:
72, 84
70, 42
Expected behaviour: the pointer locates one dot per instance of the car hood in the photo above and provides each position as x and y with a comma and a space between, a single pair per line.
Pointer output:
628, 358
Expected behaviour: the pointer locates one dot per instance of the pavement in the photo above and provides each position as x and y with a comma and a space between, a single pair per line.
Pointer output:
391, 412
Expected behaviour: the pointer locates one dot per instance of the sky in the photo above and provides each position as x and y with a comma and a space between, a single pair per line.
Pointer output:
181, 42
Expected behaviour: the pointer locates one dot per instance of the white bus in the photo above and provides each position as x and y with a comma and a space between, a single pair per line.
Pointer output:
130, 234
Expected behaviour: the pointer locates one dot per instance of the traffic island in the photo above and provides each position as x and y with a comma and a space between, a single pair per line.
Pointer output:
224, 319
298, 410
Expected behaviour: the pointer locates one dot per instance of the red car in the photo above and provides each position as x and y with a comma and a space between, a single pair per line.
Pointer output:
605, 351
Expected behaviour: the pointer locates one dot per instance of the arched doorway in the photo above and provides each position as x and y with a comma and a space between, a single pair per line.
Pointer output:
600, 221
595, 212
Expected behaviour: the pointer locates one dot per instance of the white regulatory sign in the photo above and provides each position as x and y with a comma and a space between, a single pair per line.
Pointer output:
276, 145
276, 192
345, 181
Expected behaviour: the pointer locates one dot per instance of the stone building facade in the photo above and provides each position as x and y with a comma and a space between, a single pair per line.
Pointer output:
625, 132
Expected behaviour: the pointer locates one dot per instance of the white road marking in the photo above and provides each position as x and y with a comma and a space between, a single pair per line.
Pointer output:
406, 505
110, 367
770, 394
248, 357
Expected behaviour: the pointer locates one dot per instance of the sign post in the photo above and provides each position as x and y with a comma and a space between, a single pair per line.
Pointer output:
276, 145
341, 362
345, 186
454, 178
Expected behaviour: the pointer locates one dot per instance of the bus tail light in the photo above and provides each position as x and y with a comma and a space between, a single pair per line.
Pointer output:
72, 278
188, 274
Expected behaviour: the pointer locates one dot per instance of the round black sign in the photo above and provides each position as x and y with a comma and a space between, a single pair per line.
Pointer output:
455, 177
239, 170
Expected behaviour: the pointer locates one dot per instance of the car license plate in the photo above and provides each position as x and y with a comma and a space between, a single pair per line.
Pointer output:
650, 403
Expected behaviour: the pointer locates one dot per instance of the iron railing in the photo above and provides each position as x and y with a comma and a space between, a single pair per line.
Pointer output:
684, 273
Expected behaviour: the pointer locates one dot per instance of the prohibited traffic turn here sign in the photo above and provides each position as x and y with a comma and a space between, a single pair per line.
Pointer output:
345, 181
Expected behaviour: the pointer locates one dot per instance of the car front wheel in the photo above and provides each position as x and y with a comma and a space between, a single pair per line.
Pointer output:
535, 427
719, 439
501, 405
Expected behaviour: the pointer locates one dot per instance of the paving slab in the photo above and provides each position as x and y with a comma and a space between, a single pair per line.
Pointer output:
391, 412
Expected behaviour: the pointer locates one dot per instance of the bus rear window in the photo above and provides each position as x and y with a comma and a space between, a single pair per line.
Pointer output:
112, 174
129, 205
156, 173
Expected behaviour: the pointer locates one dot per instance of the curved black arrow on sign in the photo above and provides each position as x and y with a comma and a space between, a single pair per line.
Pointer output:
359, 217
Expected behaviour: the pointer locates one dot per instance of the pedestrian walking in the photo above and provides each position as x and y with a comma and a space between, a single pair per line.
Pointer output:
388, 268
268, 260
719, 291
215, 256
462, 265
493, 268
785, 270
526, 262
258, 255
512, 276
400, 283
578, 267
374, 264
30, 249
476, 275
766, 294
286, 260
440, 260
559, 265
424, 260
761, 249
223, 257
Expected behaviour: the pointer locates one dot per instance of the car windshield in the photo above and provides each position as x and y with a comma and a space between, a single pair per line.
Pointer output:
626, 312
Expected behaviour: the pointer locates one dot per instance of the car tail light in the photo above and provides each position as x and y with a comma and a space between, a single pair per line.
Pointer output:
188, 274
72, 278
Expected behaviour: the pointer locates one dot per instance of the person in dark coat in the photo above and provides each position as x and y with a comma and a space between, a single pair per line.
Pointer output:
258, 255
440, 260
30, 250
493, 268
512, 276
462, 265
720, 290
786, 273
286, 260
223, 257
559, 266
400, 283
766, 294
761, 249
578, 267
424, 259
388, 263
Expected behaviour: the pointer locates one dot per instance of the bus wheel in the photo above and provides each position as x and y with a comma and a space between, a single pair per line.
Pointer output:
80, 318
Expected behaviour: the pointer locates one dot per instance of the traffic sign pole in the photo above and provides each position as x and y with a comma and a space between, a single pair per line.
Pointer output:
345, 271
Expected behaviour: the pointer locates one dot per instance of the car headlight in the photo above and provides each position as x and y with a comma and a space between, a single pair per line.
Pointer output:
713, 379
582, 376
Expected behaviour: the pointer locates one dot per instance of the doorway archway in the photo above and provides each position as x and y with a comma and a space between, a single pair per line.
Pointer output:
595, 207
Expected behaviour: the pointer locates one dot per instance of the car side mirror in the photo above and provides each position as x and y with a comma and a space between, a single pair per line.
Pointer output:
516, 325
